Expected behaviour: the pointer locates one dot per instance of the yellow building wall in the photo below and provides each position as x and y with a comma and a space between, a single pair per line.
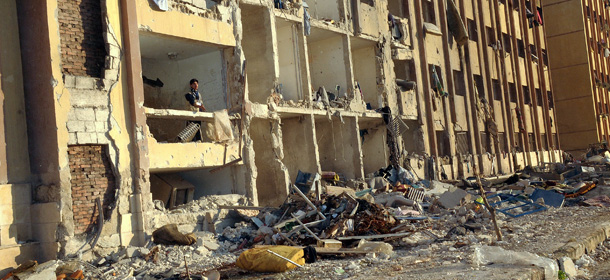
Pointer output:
17, 164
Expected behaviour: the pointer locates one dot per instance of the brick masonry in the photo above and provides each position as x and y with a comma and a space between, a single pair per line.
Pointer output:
91, 177
82, 40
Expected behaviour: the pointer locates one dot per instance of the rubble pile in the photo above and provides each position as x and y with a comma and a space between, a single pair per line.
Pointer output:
391, 216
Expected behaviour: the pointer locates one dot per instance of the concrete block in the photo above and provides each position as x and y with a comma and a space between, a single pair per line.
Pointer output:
111, 241
114, 51
84, 114
72, 138
129, 223
453, 199
86, 138
111, 73
100, 126
188, 228
567, 265
15, 233
46, 232
45, 213
85, 82
89, 98
69, 81
131, 251
108, 84
47, 251
128, 239
200, 4
211, 245
15, 194
14, 214
116, 62
8, 235
102, 115
102, 138
44, 271
90, 127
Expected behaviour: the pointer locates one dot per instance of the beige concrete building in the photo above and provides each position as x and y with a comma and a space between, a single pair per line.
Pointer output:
577, 32
100, 86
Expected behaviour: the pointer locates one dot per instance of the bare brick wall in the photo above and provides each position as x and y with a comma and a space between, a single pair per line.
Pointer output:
82, 41
92, 177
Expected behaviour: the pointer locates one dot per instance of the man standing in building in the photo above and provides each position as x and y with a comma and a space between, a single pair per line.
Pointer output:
194, 99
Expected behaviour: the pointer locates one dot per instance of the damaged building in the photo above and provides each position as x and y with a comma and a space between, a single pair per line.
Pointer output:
95, 111
578, 45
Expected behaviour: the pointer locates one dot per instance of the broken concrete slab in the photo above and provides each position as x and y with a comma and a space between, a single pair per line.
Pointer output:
453, 199
567, 265
44, 271
131, 252
439, 188
333, 190
210, 245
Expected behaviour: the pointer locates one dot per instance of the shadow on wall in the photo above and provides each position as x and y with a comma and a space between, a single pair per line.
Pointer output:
174, 76
92, 42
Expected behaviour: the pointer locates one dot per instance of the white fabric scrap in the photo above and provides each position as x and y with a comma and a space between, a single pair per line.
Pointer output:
162, 4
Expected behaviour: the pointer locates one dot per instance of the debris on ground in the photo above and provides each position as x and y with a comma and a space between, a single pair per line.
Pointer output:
390, 216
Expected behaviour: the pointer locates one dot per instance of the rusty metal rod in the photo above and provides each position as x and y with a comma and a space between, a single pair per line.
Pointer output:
491, 210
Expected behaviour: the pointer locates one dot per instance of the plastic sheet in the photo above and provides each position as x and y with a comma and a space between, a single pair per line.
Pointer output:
490, 254
222, 127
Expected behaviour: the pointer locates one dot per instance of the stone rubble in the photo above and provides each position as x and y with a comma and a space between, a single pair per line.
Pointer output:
442, 230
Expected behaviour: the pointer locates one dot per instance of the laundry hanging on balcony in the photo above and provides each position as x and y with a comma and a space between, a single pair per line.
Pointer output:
438, 86
162, 4
306, 19
396, 33
534, 19
455, 23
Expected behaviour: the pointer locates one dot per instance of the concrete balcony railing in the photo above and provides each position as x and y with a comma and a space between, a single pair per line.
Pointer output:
173, 156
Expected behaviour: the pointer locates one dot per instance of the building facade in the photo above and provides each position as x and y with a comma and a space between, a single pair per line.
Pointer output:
578, 52
444, 89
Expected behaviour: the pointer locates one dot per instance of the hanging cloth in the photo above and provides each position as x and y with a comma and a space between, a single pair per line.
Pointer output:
306, 20
438, 86
520, 119
396, 34
455, 24
162, 4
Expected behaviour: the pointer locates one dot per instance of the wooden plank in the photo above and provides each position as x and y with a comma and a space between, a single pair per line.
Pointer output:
308, 202
306, 228
367, 237
291, 220
333, 251
230, 207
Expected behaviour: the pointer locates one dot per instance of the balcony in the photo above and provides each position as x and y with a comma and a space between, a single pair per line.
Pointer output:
167, 154
200, 20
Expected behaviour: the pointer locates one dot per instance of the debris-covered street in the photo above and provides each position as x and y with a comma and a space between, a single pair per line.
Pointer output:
304, 139
394, 226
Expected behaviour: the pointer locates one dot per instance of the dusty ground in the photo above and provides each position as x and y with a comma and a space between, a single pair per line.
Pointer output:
439, 249
421, 257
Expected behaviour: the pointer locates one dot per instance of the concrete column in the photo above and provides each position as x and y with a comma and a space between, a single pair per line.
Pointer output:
135, 93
